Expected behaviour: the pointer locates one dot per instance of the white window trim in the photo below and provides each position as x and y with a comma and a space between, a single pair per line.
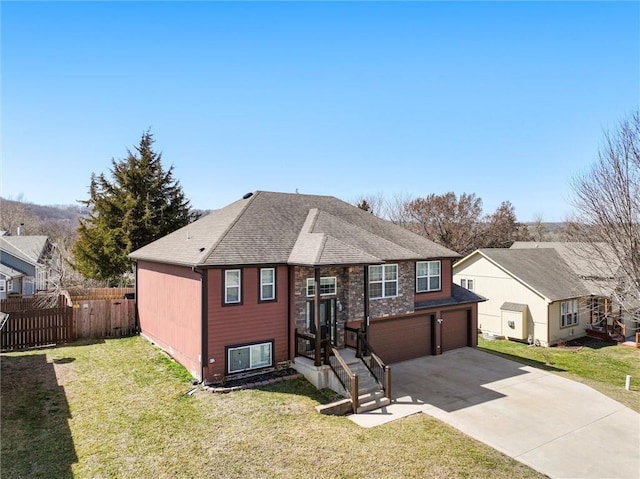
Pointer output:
227, 287
3, 286
429, 276
384, 281
328, 280
271, 283
251, 365
9, 285
568, 313
468, 283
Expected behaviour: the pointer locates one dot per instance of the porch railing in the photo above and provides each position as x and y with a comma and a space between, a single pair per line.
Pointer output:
347, 378
380, 371
620, 328
305, 347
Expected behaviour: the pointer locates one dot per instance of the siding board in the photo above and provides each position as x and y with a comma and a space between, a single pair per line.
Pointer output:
250, 322
169, 299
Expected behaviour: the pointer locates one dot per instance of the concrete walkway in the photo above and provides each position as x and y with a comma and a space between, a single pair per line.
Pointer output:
559, 427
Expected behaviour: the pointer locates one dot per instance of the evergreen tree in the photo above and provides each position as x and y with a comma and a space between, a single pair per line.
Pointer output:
140, 203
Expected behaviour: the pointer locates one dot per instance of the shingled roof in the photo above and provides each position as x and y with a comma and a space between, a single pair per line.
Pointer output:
542, 269
289, 228
27, 248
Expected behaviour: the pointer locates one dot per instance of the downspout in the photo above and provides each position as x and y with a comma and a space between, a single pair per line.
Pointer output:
289, 339
365, 323
204, 321
136, 318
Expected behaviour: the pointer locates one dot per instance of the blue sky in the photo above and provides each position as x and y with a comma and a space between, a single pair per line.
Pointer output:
505, 100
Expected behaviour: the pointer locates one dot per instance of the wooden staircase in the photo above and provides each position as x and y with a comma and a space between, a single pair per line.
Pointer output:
615, 332
371, 394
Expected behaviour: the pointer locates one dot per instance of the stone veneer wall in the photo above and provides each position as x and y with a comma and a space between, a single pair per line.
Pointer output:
350, 292
405, 301
301, 275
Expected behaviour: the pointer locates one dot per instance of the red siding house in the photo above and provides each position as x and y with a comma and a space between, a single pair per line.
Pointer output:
247, 287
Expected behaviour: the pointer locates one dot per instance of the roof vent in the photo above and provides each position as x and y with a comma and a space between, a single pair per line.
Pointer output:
201, 250
248, 195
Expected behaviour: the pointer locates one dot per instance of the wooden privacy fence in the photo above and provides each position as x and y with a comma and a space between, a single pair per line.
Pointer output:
78, 294
104, 318
28, 325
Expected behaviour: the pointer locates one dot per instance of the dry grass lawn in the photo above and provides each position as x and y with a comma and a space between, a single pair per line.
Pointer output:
118, 408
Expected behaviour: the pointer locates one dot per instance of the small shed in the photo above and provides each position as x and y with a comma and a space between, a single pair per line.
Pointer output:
514, 318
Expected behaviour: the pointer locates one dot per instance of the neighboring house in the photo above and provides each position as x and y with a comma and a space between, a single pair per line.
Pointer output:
27, 264
243, 288
543, 293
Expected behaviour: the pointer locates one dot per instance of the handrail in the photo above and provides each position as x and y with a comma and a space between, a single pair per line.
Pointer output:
623, 327
309, 352
347, 378
380, 371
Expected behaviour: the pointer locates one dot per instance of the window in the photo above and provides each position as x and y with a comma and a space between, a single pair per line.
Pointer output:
232, 280
3, 285
267, 284
9, 285
467, 283
327, 286
253, 356
383, 281
427, 276
568, 313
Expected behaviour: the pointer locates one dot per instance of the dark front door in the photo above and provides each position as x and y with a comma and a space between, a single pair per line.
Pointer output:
327, 319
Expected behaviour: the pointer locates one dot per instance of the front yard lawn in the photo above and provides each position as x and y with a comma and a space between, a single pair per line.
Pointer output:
603, 366
118, 408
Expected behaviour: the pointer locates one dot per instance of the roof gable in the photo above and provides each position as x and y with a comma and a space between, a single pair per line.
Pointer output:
314, 247
26, 248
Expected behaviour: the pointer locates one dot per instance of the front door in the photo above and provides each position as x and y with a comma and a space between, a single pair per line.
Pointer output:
327, 319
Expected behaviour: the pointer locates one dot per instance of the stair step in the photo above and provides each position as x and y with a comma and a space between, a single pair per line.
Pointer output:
369, 389
375, 403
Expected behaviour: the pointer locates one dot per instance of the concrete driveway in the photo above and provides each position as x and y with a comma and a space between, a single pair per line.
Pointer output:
559, 427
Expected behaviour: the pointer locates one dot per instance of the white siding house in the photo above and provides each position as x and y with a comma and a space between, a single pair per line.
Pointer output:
532, 294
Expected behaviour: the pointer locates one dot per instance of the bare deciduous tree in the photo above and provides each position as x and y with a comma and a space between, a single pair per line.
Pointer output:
501, 228
607, 203
538, 229
373, 203
14, 214
454, 222
448, 220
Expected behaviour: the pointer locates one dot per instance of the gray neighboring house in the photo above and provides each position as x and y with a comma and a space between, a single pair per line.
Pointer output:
27, 264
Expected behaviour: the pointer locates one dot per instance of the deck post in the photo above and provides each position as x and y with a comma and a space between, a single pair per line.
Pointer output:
365, 323
387, 382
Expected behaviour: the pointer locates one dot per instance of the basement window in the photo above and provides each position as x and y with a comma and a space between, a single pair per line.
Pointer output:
252, 356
